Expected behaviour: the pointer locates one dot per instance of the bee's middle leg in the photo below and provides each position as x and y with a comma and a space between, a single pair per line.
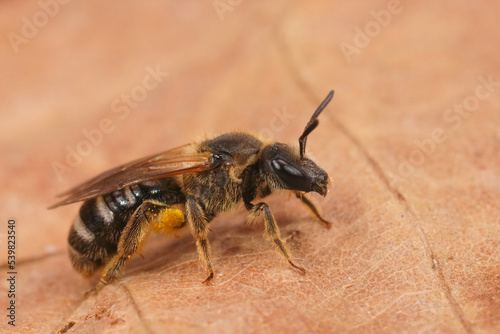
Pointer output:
133, 236
272, 230
198, 223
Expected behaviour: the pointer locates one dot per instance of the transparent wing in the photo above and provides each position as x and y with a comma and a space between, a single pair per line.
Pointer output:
166, 164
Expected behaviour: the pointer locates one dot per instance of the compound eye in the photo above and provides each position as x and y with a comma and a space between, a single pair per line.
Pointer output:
282, 166
291, 176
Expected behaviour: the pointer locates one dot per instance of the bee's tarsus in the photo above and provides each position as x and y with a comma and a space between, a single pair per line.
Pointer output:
208, 280
300, 269
92, 291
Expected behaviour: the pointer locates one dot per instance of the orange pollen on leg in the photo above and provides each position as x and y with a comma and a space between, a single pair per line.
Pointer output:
168, 220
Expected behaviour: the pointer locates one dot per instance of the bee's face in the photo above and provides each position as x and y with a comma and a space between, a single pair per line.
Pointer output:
285, 170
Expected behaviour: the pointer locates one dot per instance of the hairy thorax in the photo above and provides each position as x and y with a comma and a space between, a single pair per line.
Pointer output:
221, 188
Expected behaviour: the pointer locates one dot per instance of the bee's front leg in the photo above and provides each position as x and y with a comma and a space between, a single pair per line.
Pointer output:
272, 230
198, 223
310, 205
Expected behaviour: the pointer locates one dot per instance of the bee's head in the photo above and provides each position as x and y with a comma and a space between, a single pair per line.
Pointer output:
285, 168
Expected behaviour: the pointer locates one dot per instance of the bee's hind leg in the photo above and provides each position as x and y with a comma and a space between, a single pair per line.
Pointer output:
135, 233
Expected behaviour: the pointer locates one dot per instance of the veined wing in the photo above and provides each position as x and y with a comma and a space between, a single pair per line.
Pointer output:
166, 164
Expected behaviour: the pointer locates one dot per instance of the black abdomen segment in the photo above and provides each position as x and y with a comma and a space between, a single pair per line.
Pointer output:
96, 231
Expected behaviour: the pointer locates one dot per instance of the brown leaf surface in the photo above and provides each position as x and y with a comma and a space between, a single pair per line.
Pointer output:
416, 235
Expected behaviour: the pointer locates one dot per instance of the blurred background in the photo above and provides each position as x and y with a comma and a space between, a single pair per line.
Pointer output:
411, 141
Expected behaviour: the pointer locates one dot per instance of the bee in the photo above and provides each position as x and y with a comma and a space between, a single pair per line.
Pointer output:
188, 185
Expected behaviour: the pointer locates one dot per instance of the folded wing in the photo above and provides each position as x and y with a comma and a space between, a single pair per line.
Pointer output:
166, 164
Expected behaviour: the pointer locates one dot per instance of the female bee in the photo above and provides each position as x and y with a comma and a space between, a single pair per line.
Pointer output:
124, 204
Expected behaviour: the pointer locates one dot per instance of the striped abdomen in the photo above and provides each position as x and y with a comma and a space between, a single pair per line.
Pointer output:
96, 231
